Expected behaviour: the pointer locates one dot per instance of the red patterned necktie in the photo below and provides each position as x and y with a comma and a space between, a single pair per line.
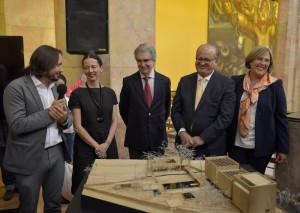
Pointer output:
147, 91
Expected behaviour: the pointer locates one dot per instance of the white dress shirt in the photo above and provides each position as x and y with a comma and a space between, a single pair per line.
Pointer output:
52, 137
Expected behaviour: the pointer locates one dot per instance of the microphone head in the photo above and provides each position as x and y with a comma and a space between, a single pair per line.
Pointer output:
61, 90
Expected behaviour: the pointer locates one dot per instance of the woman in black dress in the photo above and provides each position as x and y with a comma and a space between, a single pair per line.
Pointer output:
94, 110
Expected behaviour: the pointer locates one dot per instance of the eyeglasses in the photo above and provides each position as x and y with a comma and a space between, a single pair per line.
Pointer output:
205, 60
266, 60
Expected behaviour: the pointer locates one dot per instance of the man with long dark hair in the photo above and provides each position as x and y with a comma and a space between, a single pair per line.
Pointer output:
36, 150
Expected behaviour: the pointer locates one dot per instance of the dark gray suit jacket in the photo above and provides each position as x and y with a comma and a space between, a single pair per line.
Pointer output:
212, 116
27, 122
146, 128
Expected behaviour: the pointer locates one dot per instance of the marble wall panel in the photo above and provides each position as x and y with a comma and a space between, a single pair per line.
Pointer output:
288, 55
34, 20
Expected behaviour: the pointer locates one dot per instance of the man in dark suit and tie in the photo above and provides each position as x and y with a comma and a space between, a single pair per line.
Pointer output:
203, 106
35, 150
145, 105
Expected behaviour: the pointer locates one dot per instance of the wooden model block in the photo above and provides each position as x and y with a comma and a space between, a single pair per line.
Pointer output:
254, 192
225, 179
214, 164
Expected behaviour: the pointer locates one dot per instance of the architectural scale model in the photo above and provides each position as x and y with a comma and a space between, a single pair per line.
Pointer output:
171, 183
250, 191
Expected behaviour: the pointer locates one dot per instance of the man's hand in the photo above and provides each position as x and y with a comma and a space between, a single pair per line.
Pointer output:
186, 139
197, 141
58, 111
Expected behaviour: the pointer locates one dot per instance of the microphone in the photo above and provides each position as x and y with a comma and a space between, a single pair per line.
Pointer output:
61, 90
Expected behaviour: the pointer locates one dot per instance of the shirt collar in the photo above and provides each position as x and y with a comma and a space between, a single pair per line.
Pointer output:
199, 77
151, 75
38, 83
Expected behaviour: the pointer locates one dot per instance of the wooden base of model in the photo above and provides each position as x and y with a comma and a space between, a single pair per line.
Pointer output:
168, 184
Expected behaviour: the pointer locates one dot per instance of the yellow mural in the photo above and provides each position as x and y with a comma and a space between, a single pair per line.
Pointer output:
245, 23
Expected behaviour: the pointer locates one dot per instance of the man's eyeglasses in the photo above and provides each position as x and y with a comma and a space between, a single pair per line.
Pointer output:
266, 60
205, 60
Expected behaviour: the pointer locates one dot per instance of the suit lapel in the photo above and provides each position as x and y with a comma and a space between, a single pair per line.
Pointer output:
137, 82
239, 91
33, 90
193, 88
157, 87
54, 91
208, 88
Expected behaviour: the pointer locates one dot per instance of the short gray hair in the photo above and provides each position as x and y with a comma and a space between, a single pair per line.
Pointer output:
146, 47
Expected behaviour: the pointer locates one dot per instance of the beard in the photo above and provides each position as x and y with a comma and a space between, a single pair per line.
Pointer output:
52, 77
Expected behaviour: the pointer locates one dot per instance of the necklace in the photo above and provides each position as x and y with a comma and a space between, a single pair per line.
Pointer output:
99, 106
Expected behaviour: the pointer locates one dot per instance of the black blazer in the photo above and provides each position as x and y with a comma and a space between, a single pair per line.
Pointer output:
213, 114
271, 123
146, 128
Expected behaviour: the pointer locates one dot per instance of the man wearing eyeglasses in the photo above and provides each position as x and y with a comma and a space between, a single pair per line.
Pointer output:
203, 106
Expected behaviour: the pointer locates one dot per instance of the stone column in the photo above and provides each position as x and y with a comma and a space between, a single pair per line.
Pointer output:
131, 22
288, 69
288, 51
288, 175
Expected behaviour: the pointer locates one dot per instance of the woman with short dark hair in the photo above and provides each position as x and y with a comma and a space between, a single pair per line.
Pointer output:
94, 109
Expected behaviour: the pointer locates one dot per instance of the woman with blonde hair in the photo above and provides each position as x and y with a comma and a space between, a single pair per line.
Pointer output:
260, 126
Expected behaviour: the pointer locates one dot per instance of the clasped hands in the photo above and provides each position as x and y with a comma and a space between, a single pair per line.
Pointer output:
190, 141
101, 149
59, 111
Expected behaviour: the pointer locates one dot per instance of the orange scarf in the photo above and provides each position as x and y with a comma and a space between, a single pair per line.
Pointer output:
251, 98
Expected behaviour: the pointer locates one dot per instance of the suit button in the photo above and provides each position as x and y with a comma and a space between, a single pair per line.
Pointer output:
149, 114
